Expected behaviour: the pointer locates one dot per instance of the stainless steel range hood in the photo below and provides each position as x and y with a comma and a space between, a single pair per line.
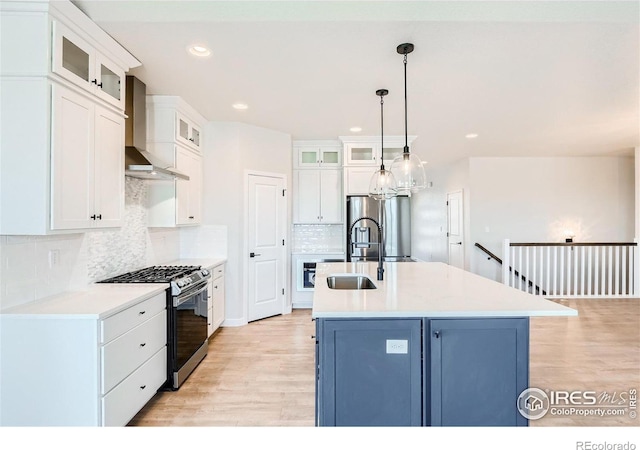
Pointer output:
138, 162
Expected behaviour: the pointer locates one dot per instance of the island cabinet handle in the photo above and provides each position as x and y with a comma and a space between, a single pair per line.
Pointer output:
143, 344
143, 387
437, 334
141, 312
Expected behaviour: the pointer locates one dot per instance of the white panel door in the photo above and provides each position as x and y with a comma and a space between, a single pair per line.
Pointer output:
455, 229
265, 241
72, 163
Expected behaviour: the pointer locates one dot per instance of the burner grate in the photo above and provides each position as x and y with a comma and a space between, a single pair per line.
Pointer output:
153, 274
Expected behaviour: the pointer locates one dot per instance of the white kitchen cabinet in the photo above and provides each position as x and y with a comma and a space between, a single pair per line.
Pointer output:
216, 299
82, 64
173, 203
317, 154
187, 131
82, 370
357, 179
174, 136
171, 119
218, 296
87, 163
57, 129
366, 150
189, 192
317, 196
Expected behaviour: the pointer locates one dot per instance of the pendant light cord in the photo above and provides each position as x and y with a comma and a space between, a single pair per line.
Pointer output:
381, 133
406, 139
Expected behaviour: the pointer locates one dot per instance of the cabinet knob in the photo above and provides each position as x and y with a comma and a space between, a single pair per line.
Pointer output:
191, 217
92, 217
142, 312
437, 334
191, 139
143, 344
96, 83
143, 386
99, 216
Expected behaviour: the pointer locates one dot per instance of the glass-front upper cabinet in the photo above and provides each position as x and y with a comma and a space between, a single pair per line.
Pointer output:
361, 154
187, 132
367, 150
309, 154
78, 62
390, 153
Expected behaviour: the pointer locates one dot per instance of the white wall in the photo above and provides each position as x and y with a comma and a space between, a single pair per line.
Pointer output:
231, 149
537, 199
29, 274
429, 211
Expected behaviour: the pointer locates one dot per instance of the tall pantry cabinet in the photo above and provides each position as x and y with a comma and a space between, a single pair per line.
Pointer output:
62, 108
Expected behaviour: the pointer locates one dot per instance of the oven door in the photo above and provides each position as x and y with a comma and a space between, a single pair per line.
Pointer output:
188, 332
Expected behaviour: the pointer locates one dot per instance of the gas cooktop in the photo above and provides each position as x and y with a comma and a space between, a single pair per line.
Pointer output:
154, 274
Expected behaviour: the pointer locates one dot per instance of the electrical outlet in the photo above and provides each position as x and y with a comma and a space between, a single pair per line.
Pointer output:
397, 346
54, 257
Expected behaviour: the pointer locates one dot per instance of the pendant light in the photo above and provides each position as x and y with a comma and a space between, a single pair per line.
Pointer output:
383, 184
407, 167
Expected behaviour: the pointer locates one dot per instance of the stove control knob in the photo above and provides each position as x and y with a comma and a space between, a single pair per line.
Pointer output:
188, 280
204, 272
180, 283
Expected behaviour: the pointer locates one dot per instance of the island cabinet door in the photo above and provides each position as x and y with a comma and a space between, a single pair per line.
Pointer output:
369, 372
476, 370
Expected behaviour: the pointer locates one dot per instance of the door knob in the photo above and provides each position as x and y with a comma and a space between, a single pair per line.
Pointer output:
253, 255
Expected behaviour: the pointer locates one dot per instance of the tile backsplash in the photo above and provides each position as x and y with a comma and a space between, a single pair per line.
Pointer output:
317, 238
33, 267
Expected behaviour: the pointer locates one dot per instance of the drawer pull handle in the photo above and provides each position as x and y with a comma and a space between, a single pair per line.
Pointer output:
215, 287
143, 387
143, 344
141, 312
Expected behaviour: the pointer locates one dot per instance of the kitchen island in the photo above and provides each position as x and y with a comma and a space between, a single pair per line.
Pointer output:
430, 345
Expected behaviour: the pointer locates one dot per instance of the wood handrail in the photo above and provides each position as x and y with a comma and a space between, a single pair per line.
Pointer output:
572, 244
516, 273
491, 255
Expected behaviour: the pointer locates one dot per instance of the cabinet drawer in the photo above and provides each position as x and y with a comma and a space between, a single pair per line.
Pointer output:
120, 323
217, 271
126, 353
124, 402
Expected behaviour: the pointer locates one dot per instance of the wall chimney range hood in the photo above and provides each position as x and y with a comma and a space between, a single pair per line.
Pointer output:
138, 162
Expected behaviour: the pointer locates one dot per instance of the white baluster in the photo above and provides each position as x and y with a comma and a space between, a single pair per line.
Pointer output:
582, 250
555, 270
596, 270
616, 272
623, 272
609, 267
505, 261
590, 268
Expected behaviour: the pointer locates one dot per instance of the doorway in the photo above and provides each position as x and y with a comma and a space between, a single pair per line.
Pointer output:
265, 235
455, 228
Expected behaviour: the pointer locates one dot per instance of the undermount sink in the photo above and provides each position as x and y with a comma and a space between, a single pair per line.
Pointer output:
350, 282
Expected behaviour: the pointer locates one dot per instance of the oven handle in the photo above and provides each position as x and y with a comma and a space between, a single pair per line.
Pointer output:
187, 295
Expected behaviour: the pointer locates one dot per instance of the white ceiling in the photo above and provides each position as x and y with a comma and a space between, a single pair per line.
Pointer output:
530, 78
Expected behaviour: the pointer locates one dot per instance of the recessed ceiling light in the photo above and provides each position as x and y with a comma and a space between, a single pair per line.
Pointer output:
471, 136
240, 106
355, 129
199, 50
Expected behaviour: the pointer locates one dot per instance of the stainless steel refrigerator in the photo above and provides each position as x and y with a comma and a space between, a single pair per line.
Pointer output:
362, 232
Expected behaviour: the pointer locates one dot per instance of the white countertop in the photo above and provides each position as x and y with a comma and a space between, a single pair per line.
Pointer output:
425, 289
97, 301
204, 262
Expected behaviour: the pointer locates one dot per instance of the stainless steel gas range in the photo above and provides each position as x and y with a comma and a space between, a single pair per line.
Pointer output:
186, 315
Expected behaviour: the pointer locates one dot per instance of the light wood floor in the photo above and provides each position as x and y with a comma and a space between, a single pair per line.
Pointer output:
262, 374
